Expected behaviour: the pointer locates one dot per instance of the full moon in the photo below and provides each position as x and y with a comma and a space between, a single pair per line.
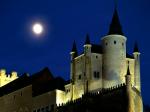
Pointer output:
37, 28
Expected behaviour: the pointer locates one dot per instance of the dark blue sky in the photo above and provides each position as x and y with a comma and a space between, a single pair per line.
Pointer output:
65, 21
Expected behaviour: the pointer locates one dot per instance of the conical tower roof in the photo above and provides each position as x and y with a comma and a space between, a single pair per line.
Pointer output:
115, 26
74, 48
87, 41
128, 70
136, 49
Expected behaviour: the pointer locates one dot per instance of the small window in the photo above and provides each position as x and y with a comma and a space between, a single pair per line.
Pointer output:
14, 96
84, 74
115, 42
106, 43
67, 90
96, 57
21, 94
79, 76
96, 74
122, 44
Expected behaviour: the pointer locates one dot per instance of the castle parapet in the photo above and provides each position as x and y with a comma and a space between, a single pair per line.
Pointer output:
6, 78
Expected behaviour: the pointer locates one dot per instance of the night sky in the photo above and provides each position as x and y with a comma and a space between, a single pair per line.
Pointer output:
65, 21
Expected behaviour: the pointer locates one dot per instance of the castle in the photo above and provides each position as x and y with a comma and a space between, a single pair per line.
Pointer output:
98, 67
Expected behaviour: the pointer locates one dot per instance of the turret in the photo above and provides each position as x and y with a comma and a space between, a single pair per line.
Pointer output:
74, 51
87, 63
137, 79
129, 91
73, 54
87, 46
114, 54
3, 73
14, 75
128, 77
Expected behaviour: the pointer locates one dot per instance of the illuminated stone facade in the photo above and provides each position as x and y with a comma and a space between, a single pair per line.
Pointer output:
105, 66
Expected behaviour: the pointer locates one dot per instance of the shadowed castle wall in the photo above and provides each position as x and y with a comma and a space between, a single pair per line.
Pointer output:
17, 101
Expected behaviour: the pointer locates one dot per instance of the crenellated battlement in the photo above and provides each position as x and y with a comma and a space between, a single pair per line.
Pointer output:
98, 101
6, 78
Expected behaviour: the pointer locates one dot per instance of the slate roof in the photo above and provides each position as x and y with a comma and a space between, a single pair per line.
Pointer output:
136, 49
87, 41
74, 49
115, 26
19, 83
96, 48
129, 56
41, 82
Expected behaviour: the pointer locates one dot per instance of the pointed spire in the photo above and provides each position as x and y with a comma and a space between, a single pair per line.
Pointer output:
74, 49
128, 70
87, 41
115, 26
136, 49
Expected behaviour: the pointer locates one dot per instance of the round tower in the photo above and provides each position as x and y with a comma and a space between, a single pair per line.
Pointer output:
114, 54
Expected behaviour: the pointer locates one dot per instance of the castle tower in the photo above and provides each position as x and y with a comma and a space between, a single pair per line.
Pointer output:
73, 54
129, 91
87, 63
128, 78
137, 79
114, 54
